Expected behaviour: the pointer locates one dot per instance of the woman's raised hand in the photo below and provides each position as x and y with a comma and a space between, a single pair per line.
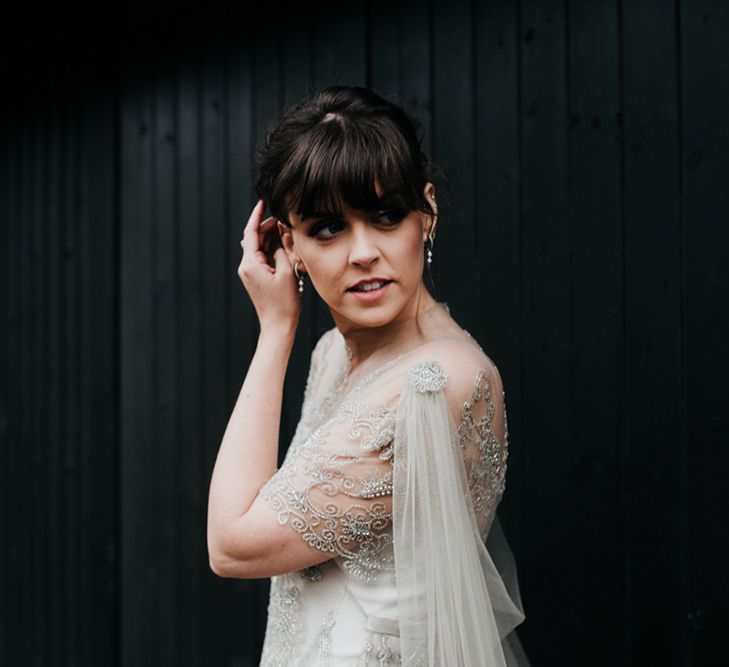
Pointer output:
267, 274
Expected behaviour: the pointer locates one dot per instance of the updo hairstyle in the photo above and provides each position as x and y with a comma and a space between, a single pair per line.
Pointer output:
333, 147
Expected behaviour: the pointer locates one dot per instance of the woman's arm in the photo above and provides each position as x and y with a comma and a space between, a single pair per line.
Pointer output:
245, 537
249, 451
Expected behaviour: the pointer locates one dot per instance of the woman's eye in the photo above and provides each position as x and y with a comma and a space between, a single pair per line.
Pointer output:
326, 229
390, 217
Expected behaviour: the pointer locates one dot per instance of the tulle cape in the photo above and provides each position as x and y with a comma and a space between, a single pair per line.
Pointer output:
456, 607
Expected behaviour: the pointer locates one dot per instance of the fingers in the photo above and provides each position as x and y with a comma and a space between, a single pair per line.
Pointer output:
281, 260
262, 245
268, 238
250, 232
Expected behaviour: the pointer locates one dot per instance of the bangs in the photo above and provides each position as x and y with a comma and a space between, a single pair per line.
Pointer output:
364, 165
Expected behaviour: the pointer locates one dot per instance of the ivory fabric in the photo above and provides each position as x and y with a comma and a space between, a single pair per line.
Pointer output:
396, 474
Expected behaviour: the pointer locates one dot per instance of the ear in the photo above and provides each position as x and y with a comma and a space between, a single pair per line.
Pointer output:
431, 221
287, 241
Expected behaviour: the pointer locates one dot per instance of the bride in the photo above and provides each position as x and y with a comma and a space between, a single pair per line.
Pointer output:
374, 529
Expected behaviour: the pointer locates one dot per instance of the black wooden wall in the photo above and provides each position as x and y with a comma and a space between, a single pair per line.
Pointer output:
586, 145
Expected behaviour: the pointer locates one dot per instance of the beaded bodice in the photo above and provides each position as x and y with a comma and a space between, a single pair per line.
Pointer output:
336, 483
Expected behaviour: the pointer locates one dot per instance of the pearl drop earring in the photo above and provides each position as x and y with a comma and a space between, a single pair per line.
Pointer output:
431, 236
300, 278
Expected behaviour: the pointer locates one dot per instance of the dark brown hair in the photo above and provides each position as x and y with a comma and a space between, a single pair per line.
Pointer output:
333, 147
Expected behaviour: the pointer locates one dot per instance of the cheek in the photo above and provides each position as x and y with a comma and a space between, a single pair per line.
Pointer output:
411, 254
325, 269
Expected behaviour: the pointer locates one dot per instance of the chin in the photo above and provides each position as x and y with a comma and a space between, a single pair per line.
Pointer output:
371, 316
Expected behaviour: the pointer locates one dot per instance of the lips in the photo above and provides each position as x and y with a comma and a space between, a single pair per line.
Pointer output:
368, 285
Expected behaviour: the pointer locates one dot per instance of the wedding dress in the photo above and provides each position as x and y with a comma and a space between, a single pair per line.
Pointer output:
397, 475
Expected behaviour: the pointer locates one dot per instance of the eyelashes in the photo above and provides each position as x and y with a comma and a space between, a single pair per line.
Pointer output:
394, 216
325, 230
318, 228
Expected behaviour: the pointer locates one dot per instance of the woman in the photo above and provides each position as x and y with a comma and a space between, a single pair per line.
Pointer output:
373, 528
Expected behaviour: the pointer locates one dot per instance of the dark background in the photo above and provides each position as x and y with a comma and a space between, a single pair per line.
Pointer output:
586, 145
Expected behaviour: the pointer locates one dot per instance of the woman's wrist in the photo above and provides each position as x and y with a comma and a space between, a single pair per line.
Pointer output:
277, 337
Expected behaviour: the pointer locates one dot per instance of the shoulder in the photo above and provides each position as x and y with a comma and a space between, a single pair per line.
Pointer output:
459, 362
459, 368
317, 362
325, 341
324, 346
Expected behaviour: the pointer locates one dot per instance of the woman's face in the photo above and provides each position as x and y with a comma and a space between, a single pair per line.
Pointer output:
366, 266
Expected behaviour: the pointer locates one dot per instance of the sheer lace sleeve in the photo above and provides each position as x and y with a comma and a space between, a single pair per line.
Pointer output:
334, 487
479, 410
312, 387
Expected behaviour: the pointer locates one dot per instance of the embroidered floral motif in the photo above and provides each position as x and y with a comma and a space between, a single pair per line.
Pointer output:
335, 490
284, 630
487, 475
375, 430
319, 648
325, 639
427, 377
377, 486
312, 573
378, 652
355, 524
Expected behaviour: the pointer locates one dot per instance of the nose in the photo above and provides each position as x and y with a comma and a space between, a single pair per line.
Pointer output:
364, 250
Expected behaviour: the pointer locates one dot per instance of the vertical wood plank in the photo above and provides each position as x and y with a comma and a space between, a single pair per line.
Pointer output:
52, 216
215, 283
339, 44
456, 237
165, 334
545, 326
415, 75
67, 204
297, 57
97, 266
248, 599
25, 459
704, 111
139, 575
193, 566
497, 216
652, 399
596, 321
46, 545
8, 374
39, 541
384, 31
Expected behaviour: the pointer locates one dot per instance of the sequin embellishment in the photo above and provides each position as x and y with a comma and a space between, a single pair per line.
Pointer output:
426, 377
335, 490
284, 630
331, 496
487, 476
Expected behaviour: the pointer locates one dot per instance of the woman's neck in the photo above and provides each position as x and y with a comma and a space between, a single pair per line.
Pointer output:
371, 345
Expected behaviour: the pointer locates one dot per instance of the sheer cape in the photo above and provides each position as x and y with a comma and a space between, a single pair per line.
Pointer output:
454, 607
397, 476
